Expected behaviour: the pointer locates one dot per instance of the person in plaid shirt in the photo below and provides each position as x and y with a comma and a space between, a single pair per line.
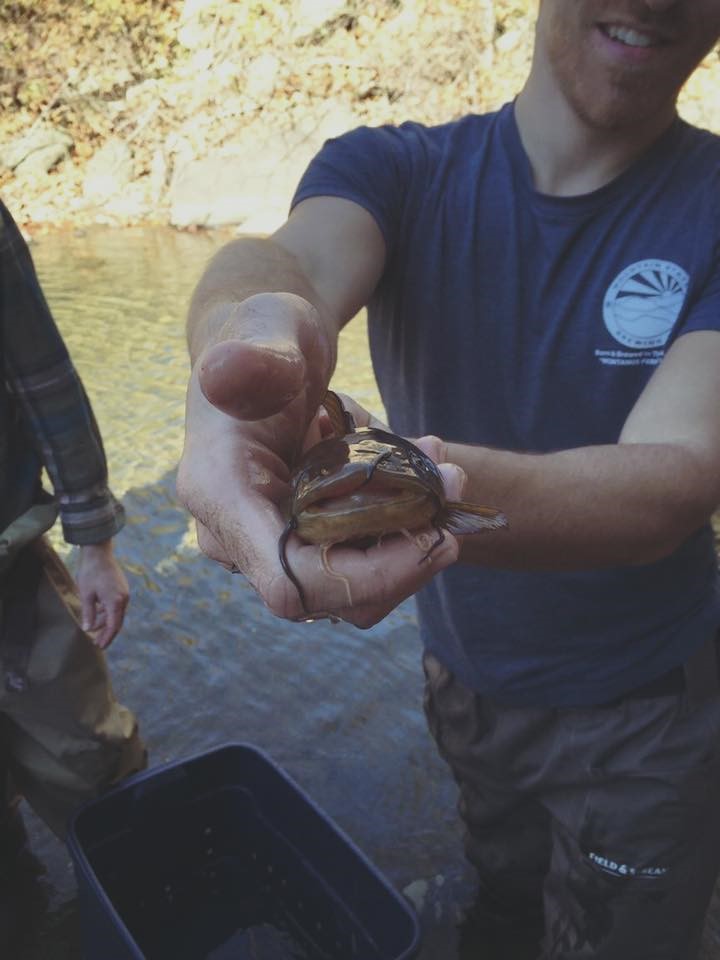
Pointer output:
63, 736
542, 284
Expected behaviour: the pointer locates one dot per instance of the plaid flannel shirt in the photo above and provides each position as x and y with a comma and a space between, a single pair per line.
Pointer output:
45, 415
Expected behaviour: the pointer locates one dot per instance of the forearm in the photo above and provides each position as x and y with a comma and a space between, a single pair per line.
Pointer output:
588, 507
242, 269
102, 549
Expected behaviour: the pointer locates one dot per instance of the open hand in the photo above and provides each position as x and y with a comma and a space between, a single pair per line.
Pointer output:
253, 406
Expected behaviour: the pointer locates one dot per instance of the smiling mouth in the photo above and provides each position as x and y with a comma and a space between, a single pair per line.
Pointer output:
630, 37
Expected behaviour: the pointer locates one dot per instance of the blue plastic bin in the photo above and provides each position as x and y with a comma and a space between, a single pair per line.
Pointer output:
223, 856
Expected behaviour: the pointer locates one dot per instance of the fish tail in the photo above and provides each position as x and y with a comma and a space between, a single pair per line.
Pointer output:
460, 518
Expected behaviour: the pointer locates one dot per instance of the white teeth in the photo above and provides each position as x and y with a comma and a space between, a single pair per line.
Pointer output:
630, 37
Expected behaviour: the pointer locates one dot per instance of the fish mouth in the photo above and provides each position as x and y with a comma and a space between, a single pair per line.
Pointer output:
355, 518
364, 500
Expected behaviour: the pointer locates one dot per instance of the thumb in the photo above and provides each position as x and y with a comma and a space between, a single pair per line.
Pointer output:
257, 363
251, 380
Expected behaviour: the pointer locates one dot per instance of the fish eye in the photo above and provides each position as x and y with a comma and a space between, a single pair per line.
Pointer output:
324, 471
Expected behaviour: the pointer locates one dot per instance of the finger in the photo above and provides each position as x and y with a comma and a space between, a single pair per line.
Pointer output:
251, 381
98, 624
363, 586
113, 621
212, 547
320, 428
104, 637
88, 611
454, 477
454, 480
101, 636
258, 364
256, 555
433, 447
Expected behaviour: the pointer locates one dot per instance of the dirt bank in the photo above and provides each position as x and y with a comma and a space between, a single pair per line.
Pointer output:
130, 91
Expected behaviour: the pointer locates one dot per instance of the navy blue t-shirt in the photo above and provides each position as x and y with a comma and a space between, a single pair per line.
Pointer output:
532, 323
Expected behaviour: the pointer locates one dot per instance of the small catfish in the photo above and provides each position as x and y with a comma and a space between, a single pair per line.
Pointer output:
363, 483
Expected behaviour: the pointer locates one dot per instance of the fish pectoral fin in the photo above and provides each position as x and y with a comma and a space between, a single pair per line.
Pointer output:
461, 518
341, 420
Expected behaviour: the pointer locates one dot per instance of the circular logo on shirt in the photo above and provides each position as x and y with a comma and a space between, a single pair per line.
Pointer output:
644, 301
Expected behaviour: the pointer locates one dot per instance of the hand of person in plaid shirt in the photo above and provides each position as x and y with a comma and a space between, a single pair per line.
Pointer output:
104, 592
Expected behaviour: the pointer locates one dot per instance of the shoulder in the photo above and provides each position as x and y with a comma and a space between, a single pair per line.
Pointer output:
397, 160
418, 140
394, 170
705, 144
687, 182
697, 153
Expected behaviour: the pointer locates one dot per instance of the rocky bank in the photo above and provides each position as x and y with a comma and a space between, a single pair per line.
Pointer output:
203, 113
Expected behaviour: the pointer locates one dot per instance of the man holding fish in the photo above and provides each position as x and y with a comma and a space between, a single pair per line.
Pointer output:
543, 293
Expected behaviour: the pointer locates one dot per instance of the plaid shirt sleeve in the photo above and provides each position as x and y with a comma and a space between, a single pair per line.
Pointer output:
40, 373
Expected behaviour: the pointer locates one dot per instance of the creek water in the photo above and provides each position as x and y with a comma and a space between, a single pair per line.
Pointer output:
200, 660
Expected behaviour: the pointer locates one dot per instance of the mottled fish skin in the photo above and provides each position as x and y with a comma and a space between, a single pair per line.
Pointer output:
366, 482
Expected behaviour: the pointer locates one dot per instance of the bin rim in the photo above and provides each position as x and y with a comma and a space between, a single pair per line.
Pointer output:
82, 862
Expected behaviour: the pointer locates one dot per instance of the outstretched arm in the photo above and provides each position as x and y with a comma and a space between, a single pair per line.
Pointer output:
628, 503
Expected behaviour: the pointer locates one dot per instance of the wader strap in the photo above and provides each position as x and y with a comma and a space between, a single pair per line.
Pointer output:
19, 616
701, 672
